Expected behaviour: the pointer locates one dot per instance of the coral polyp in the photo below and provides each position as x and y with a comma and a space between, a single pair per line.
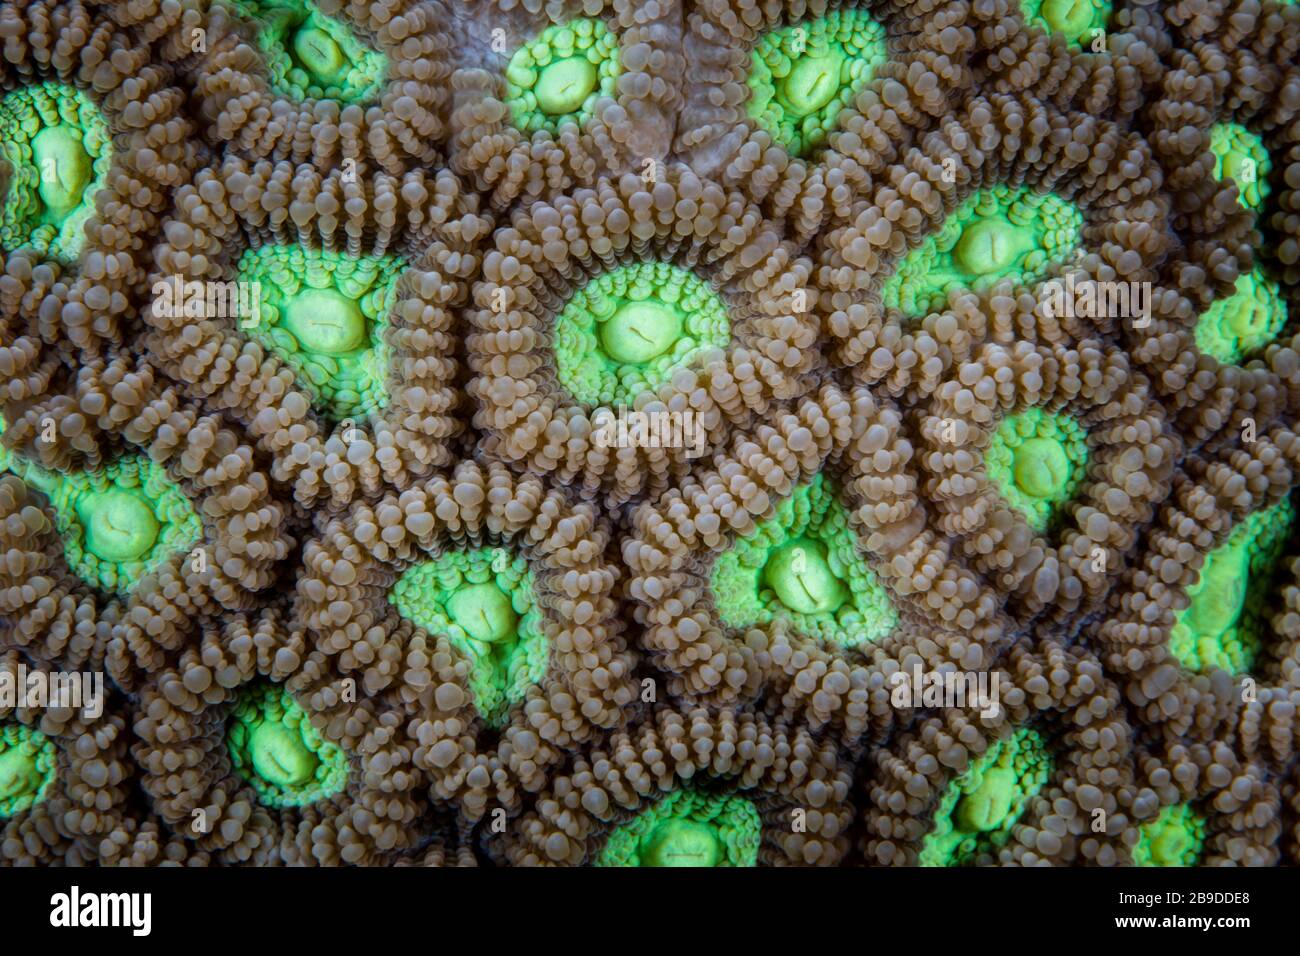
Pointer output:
26, 768
979, 808
802, 564
273, 746
326, 314
557, 77
312, 55
117, 523
626, 331
484, 601
58, 150
999, 233
687, 829
805, 73
650, 434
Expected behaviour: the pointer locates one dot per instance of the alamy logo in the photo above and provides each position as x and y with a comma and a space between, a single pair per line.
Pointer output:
74, 909
175, 298
42, 690
949, 688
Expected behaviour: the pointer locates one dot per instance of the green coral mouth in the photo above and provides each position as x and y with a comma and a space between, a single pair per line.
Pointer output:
627, 330
1038, 460
978, 810
1073, 19
274, 747
1241, 156
484, 602
1175, 838
558, 77
327, 314
1223, 625
28, 766
118, 523
60, 150
1234, 327
310, 55
688, 829
999, 233
804, 74
802, 565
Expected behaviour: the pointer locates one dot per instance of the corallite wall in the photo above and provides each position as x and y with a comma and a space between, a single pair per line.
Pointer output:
649, 433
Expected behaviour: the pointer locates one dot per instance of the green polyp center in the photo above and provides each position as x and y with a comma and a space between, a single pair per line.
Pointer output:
1073, 19
280, 756
483, 603
276, 750
324, 321
66, 169
117, 523
1001, 233
978, 810
1037, 460
812, 82
557, 77
58, 150
804, 74
1042, 468
120, 525
310, 55
1241, 156
484, 612
1222, 593
28, 766
327, 315
988, 246
688, 828
1174, 838
987, 806
19, 775
803, 566
801, 576
626, 331
681, 843
1234, 327
320, 55
1224, 623
564, 86
640, 331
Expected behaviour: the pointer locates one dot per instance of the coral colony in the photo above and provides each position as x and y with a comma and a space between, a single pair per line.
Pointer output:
650, 433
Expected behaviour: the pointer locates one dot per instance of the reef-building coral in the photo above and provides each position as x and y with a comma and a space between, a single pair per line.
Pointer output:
678, 433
